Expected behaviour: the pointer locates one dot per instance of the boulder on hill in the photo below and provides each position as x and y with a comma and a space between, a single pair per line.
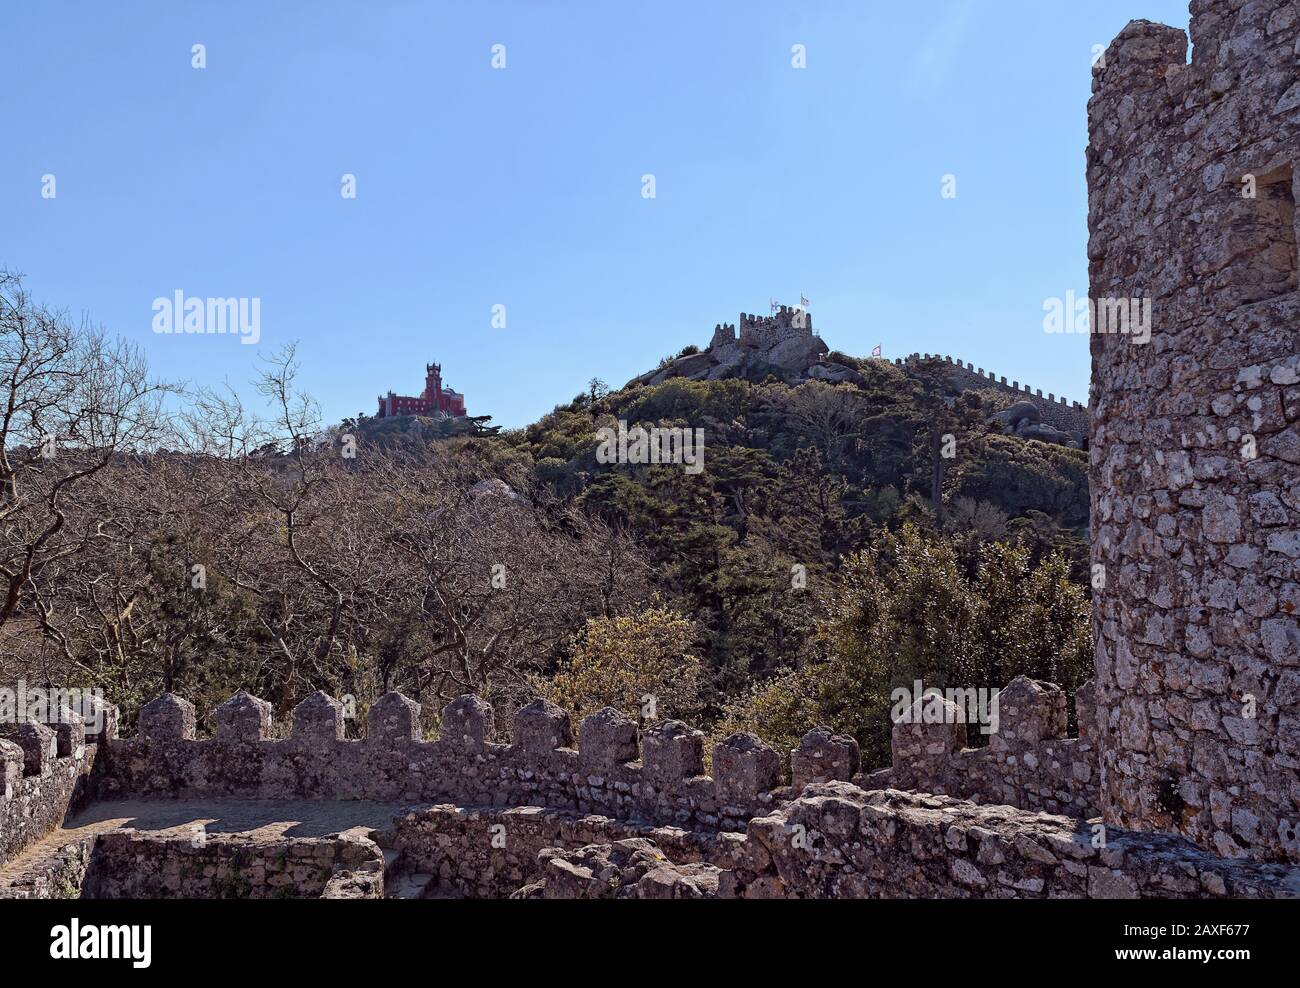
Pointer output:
1015, 414
1024, 419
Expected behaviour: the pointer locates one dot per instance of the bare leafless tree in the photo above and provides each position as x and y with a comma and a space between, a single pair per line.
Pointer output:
71, 398
239, 546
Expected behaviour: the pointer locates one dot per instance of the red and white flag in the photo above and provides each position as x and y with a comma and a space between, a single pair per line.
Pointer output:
876, 351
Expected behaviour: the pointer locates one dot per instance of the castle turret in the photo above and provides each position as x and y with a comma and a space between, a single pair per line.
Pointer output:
723, 333
432, 382
1195, 431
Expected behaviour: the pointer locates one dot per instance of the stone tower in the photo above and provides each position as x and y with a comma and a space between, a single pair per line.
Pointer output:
432, 382
1195, 435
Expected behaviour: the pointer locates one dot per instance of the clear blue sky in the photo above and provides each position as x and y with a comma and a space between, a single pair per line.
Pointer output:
522, 186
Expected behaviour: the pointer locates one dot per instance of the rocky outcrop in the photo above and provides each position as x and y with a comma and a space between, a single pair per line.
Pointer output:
1024, 419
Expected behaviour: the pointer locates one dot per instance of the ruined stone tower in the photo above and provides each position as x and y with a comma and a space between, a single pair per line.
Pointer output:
1195, 436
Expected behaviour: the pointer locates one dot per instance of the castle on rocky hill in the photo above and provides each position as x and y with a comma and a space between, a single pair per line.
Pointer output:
436, 401
783, 342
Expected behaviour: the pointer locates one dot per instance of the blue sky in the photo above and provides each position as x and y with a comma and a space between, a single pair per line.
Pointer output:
522, 186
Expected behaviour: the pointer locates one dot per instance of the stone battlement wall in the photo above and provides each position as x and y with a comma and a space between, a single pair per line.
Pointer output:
45, 774
508, 816
1195, 441
1029, 762
654, 776
1068, 416
765, 332
657, 776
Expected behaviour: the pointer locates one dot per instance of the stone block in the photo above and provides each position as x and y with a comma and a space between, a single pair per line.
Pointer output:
466, 722
244, 718
541, 727
168, 718
823, 756
672, 752
607, 738
744, 766
394, 718
318, 718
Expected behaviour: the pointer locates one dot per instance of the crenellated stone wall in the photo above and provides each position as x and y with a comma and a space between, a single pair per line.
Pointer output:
764, 332
657, 776
1067, 416
45, 773
1195, 435
532, 818
1028, 763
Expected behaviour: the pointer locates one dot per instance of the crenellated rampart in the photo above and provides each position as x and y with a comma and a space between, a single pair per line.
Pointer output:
1028, 763
1068, 416
656, 775
489, 819
45, 772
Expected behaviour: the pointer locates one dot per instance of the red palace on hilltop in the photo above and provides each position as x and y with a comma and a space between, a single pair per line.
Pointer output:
436, 401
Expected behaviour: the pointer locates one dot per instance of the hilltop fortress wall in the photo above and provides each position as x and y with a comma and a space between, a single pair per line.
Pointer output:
1068, 416
1195, 441
653, 775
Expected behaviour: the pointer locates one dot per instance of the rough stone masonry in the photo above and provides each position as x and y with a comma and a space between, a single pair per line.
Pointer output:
1195, 436
627, 813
